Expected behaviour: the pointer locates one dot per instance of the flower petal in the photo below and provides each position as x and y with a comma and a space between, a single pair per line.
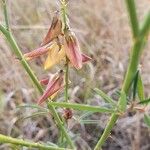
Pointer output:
55, 55
53, 86
54, 31
73, 50
85, 58
36, 53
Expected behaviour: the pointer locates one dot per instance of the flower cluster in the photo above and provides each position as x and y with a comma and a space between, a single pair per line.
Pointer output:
60, 46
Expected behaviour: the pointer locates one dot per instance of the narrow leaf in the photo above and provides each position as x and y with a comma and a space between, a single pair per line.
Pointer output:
32, 106
146, 101
82, 107
135, 82
147, 120
105, 96
89, 121
140, 89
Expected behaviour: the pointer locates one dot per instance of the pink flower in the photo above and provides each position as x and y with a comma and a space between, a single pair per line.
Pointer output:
53, 86
54, 31
72, 49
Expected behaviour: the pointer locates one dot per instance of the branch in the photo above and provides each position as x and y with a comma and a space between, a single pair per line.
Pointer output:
7, 139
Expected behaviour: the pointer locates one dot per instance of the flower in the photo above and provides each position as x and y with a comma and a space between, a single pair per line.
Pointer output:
59, 47
55, 84
54, 31
72, 49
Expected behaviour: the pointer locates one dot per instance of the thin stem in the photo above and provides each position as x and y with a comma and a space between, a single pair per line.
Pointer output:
132, 67
33, 77
5, 14
66, 79
64, 14
65, 28
7, 139
133, 17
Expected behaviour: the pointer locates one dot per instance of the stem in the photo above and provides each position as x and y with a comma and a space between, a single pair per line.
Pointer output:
133, 17
132, 67
66, 80
7, 139
65, 28
24, 63
5, 14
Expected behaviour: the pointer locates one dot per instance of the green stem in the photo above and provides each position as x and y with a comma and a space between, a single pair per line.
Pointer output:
5, 14
19, 54
66, 80
132, 67
133, 17
7, 139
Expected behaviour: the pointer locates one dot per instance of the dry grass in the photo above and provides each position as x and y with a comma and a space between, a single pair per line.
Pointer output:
103, 29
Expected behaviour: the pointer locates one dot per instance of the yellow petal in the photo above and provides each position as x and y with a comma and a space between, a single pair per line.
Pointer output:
53, 96
54, 56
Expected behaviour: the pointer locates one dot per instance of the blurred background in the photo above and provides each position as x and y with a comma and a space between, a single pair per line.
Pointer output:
103, 29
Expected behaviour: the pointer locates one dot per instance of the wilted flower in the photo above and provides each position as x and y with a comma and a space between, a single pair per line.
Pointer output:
72, 49
54, 31
55, 84
58, 51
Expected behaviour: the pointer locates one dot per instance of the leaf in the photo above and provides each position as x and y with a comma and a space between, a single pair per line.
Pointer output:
135, 83
105, 96
89, 121
37, 114
140, 89
32, 106
147, 120
82, 107
146, 101
123, 102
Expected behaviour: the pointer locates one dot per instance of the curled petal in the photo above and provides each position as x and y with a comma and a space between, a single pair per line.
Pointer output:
72, 49
54, 31
36, 53
55, 55
85, 58
54, 85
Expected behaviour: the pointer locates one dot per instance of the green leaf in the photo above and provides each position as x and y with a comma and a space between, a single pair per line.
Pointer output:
37, 114
135, 83
89, 121
147, 120
82, 107
32, 106
146, 101
105, 96
140, 89
123, 102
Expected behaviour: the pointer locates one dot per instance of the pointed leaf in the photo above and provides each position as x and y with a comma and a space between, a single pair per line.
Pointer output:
82, 107
105, 96
140, 89
146, 101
